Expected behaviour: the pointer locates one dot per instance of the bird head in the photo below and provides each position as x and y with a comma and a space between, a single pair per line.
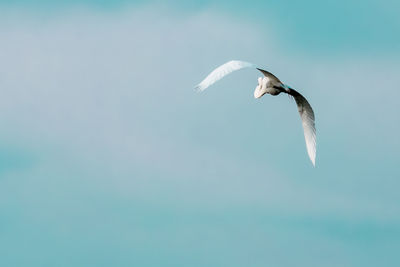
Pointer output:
261, 88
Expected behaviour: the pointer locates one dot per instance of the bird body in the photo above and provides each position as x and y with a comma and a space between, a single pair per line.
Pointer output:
270, 84
267, 86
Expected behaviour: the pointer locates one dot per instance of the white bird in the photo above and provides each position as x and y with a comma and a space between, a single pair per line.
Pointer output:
270, 84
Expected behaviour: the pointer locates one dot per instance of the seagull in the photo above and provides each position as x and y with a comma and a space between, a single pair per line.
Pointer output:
270, 84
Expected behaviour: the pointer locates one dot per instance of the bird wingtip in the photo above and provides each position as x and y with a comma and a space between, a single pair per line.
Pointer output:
198, 88
313, 160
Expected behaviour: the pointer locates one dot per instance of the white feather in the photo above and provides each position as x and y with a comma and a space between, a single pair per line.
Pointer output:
308, 121
222, 71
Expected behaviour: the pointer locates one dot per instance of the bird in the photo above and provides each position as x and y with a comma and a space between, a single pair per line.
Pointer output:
270, 84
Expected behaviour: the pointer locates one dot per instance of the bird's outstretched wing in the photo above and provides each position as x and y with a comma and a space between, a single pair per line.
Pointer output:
270, 76
308, 121
222, 71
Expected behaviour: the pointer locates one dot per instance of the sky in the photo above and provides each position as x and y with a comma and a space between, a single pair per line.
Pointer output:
108, 157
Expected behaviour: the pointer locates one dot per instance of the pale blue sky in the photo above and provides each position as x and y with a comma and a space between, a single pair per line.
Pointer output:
109, 158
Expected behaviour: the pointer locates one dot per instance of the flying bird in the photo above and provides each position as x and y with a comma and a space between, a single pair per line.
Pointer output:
270, 84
